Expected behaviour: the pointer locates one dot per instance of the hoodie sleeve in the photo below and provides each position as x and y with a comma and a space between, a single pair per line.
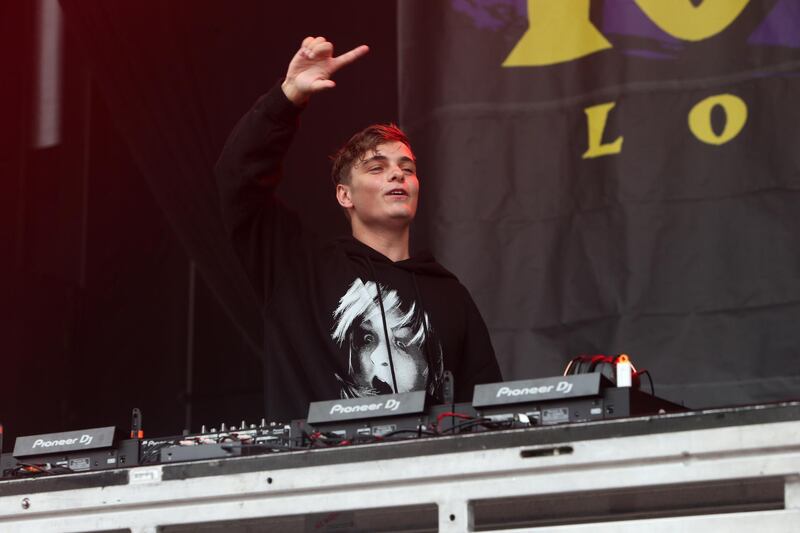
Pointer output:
247, 173
478, 363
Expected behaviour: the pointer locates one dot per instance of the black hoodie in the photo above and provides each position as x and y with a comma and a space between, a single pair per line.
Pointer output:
340, 319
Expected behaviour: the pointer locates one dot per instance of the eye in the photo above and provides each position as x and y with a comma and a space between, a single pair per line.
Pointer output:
409, 171
376, 170
363, 338
400, 344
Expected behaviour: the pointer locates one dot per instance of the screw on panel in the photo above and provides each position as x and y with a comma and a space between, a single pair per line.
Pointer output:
26, 503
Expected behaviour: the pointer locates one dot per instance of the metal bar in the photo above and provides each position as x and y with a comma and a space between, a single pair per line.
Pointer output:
791, 498
450, 481
48, 76
190, 338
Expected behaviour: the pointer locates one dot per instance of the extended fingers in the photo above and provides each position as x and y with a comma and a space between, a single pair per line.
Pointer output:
319, 47
352, 55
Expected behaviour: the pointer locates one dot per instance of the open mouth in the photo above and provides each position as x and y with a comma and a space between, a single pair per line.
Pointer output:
397, 192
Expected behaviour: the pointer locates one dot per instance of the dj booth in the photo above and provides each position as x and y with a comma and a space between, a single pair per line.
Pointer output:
733, 469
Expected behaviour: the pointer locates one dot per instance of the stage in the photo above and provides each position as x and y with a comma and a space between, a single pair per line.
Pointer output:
735, 469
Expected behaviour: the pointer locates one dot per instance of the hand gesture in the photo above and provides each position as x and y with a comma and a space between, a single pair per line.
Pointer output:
313, 65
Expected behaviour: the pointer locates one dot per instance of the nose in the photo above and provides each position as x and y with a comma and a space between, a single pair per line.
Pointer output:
380, 363
397, 174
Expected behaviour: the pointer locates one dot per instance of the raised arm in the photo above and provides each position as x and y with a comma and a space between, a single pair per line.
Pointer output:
249, 167
250, 163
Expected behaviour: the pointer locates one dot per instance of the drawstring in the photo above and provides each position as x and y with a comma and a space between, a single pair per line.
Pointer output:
385, 328
431, 370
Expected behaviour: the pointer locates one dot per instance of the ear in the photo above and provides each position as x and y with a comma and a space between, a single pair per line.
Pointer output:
343, 196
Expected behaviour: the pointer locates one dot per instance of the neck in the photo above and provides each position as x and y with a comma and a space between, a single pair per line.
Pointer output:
391, 242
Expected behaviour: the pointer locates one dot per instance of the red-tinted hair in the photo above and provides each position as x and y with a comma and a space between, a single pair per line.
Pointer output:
359, 145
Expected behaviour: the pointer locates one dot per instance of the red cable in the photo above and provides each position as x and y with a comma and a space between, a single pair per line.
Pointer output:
451, 414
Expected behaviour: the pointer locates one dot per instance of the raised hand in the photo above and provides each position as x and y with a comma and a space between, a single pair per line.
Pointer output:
313, 65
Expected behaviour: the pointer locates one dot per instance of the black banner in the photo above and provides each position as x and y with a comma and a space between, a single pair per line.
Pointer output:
617, 176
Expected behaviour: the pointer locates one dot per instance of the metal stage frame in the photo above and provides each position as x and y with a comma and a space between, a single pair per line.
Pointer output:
731, 470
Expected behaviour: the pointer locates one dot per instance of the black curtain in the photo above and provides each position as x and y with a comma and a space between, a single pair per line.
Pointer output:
176, 77
156, 67
672, 241
104, 313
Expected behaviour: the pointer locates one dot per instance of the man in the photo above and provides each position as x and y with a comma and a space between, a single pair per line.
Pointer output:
357, 316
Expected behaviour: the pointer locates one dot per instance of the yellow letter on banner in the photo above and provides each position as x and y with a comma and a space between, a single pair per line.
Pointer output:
684, 20
735, 117
559, 30
596, 117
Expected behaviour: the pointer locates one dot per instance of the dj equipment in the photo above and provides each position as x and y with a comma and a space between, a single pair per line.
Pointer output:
227, 442
368, 417
69, 451
563, 399
508, 405
729, 469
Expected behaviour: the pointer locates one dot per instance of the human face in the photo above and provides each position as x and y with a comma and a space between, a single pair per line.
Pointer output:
383, 188
370, 354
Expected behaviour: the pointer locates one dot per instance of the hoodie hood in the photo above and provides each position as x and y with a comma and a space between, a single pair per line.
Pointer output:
421, 263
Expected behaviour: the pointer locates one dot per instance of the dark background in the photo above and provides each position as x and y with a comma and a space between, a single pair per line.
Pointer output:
683, 254
118, 288
102, 309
